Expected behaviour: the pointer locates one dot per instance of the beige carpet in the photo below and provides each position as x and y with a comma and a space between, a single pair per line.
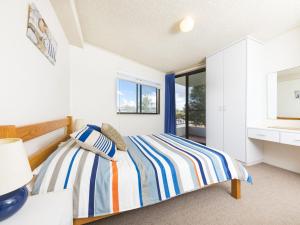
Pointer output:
274, 198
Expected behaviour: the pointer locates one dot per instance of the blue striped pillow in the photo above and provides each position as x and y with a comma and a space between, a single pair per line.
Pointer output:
92, 140
95, 127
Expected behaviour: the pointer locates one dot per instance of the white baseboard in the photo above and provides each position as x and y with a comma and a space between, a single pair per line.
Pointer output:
282, 167
254, 162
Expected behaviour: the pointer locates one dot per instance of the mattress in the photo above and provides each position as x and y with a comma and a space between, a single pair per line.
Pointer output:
155, 168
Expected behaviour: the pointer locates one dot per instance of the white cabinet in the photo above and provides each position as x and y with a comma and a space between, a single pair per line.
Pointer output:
283, 136
53, 208
290, 138
214, 101
234, 100
264, 134
233, 80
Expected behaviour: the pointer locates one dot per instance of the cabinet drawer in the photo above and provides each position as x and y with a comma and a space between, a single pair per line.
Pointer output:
263, 134
290, 138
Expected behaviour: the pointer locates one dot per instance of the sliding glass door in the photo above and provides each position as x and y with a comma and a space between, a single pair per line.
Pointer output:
196, 107
190, 105
180, 97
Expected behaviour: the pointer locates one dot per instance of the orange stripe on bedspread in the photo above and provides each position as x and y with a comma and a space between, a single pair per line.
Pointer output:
197, 174
115, 188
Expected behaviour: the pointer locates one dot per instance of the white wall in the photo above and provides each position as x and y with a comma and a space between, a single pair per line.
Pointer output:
93, 90
31, 88
282, 53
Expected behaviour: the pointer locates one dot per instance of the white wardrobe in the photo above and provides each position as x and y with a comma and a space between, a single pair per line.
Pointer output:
235, 98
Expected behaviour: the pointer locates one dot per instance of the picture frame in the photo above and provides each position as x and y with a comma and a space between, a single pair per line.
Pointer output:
40, 35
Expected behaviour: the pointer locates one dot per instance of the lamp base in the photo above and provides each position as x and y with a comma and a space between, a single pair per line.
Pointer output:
11, 202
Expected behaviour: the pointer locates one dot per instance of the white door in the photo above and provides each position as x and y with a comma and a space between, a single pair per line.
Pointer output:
214, 101
235, 101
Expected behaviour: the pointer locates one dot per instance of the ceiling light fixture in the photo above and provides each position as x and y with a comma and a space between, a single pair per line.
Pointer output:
187, 24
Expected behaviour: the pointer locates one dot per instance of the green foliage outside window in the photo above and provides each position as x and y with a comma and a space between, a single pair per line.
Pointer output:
197, 105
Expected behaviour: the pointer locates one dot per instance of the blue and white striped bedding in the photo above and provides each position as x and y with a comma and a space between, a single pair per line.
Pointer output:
155, 168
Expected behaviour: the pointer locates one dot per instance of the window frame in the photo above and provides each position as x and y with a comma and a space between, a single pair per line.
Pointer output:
139, 98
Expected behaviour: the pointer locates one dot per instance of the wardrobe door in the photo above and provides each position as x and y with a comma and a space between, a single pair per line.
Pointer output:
235, 101
214, 101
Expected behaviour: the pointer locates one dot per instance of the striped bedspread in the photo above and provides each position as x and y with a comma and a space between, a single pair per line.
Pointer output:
155, 168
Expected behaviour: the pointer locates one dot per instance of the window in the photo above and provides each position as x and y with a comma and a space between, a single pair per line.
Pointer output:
127, 96
135, 98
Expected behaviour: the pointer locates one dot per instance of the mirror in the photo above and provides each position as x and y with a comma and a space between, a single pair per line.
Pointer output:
284, 94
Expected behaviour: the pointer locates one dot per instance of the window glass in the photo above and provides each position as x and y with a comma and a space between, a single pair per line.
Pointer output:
180, 98
137, 98
149, 99
127, 96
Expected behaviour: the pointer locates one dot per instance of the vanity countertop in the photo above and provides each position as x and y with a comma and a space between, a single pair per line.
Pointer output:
278, 128
279, 134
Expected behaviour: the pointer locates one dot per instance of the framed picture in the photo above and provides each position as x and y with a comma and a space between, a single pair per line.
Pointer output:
297, 94
40, 35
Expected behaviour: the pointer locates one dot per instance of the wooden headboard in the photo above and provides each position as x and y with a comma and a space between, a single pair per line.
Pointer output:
32, 131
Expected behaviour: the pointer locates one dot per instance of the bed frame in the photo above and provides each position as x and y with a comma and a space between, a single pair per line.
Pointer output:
32, 131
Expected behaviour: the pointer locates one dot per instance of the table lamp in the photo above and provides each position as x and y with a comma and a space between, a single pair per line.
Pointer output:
15, 173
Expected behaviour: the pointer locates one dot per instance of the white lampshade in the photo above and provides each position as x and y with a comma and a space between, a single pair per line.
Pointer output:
187, 24
15, 171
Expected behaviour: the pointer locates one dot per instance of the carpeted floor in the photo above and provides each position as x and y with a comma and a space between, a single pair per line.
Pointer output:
274, 198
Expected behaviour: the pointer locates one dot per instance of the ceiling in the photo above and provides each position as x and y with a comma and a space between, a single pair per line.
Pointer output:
147, 30
67, 15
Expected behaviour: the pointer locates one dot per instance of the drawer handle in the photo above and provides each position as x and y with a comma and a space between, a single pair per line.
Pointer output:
297, 140
261, 135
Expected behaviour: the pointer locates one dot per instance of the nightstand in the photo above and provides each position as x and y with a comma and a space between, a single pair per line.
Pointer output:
54, 208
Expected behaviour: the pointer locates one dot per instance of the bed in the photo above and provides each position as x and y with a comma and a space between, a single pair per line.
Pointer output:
155, 168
